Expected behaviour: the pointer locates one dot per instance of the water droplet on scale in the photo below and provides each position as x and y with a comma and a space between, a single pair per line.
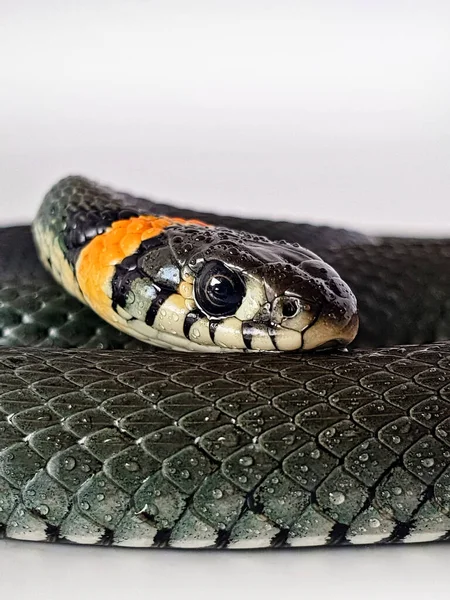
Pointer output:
246, 461
217, 494
337, 498
289, 439
131, 466
69, 463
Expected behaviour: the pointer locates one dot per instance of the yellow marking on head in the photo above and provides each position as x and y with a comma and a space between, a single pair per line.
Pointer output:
186, 289
97, 261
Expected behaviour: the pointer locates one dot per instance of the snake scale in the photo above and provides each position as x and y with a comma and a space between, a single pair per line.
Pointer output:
107, 440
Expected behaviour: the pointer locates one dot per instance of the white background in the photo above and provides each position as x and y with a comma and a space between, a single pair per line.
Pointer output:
335, 112
330, 112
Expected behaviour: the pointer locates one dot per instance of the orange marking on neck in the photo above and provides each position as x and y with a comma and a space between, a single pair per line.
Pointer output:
96, 263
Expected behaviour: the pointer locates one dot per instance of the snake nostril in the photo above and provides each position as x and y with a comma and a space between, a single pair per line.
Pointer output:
290, 307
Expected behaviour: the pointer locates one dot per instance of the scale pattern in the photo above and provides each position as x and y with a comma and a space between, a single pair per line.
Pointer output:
42, 314
123, 448
159, 449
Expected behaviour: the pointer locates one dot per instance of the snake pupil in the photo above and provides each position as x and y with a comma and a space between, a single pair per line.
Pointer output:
219, 291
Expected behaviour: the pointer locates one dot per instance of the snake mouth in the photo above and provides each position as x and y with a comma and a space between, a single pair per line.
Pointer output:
321, 327
325, 327
329, 332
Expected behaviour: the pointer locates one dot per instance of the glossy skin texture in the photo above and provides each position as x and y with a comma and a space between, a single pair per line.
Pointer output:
184, 285
154, 448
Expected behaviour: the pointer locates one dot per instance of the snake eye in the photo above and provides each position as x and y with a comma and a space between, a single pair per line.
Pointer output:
219, 291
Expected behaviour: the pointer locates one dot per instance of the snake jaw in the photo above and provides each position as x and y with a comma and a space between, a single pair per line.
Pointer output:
330, 330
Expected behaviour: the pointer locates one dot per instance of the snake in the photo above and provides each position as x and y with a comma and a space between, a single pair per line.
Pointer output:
172, 378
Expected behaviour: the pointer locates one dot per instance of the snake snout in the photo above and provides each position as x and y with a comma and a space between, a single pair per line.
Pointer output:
309, 306
327, 311
326, 332
336, 325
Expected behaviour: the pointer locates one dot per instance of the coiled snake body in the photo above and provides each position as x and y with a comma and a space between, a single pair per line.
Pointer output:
107, 440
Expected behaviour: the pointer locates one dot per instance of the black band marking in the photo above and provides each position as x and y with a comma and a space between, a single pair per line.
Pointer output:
191, 318
162, 538
338, 535
122, 281
400, 532
162, 296
247, 334
223, 538
52, 532
107, 538
213, 325
128, 270
280, 539
273, 337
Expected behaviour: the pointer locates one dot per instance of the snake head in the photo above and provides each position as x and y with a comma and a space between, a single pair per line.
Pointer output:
185, 285
247, 292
